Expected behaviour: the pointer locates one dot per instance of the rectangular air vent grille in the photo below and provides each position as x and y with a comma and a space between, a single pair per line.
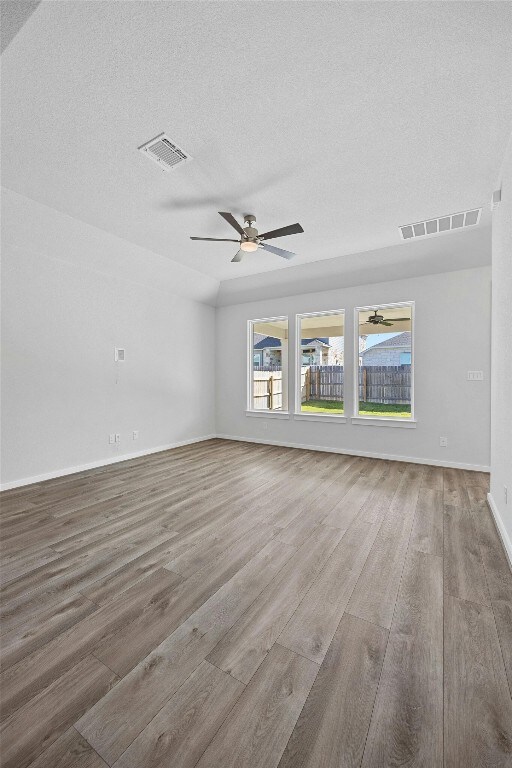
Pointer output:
164, 152
442, 224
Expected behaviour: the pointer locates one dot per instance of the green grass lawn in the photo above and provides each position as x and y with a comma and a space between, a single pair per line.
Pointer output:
365, 409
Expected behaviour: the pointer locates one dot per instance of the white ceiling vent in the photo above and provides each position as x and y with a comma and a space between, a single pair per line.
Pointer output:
442, 224
164, 152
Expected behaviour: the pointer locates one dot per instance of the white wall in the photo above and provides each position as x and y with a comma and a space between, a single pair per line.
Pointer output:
452, 336
501, 408
70, 293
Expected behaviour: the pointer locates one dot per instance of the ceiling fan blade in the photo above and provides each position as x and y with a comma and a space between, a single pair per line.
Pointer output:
399, 319
238, 256
278, 251
291, 229
385, 322
216, 239
231, 220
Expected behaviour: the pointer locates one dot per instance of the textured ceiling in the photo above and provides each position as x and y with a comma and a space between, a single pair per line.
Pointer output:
351, 118
13, 15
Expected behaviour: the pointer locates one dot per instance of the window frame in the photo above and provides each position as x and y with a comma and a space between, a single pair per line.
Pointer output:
264, 412
298, 413
388, 421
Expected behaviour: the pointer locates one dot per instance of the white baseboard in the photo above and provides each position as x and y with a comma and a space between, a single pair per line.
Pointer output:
99, 463
502, 531
366, 454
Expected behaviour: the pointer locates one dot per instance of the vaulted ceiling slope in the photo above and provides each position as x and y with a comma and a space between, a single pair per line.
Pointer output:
351, 118
458, 251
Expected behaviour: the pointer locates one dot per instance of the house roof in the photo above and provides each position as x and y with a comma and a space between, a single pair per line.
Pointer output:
269, 342
266, 342
325, 342
401, 341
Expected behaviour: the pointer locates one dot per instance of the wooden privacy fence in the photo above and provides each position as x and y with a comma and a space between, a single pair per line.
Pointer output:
321, 382
389, 384
267, 389
377, 383
385, 384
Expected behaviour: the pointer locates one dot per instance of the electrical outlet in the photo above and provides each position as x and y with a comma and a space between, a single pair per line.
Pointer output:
443, 442
111, 439
118, 437
135, 434
475, 375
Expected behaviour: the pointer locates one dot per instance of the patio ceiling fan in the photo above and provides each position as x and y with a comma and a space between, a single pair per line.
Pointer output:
250, 240
377, 319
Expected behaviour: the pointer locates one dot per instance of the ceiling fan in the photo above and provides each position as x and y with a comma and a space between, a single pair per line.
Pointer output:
376, 319
250, 240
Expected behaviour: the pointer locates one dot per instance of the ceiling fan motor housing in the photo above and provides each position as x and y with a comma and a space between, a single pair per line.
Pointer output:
250, 232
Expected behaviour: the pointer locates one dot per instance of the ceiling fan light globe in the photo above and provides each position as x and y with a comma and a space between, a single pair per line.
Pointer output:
249, 246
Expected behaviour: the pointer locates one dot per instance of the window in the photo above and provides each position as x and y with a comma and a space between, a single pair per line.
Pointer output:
268, 365
384, 386
320, 350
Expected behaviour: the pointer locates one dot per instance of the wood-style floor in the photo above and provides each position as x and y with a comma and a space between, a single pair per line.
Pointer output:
228, 605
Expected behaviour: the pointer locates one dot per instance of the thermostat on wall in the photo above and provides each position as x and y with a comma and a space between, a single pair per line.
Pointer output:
119, 354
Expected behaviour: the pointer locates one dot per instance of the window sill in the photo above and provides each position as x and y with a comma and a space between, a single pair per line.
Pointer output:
269, 414
370, 421
333, 418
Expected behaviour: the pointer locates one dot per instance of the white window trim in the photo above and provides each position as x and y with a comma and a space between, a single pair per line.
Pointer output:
383, 421
250, 366
311, 416
298, 414
263, 414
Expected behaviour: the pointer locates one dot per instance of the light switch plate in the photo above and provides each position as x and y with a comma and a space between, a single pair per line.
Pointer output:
475, 375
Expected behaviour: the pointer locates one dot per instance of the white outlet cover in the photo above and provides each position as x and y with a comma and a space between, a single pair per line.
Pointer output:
475, 375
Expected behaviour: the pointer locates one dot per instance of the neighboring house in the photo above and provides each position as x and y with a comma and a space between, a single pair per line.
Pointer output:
394, 351
318, 351
337, 348
315, 351
266, 350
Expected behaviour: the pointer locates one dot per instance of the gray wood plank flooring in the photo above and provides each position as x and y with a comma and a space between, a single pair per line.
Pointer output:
249, 606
